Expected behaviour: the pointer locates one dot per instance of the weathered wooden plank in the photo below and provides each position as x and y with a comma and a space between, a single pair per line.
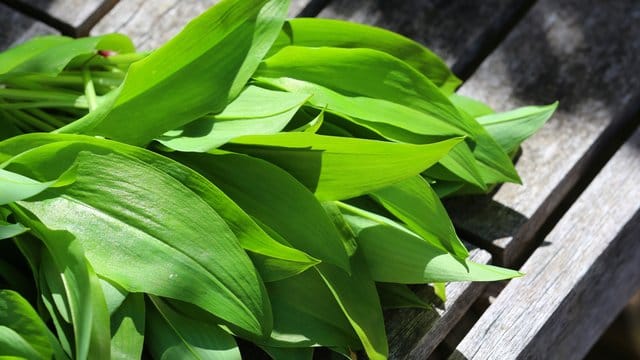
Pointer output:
580, 52
578, 282
150, 23
415, 333
449, 28
72, 17
16, 28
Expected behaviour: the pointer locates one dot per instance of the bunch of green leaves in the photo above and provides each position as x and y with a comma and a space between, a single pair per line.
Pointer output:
255, 178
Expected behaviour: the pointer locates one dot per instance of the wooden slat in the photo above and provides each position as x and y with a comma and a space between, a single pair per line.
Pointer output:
415, 333
150, 23
578, 282
16, 28
582, 53
72, 17
449, 28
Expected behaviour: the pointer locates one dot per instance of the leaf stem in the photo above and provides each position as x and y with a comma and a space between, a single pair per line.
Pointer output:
89, 90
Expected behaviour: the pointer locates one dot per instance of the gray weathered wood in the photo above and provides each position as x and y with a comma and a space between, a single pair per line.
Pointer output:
580, 52
446, 27
75, 17
578, 281
16, 28
415, 333
150, 23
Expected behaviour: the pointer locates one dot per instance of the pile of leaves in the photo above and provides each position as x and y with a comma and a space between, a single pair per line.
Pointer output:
273, 181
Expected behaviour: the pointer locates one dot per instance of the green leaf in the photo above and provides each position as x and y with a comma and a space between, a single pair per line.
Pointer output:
374, 74
14, 346
256, 111
417, 205
396, 255
336, 33
513, 127
14, 187
18, 315
19, 54
399, 296
263, 247
81, 289
307, 314
288, 353
127, 328
461, 164
339, 168
197, 72
357, 296
172, 335
7, 231
182, 252
53, 54
472, 107
440, 289
276, 199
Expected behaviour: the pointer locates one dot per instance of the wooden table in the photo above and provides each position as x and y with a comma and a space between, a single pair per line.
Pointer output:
573, 227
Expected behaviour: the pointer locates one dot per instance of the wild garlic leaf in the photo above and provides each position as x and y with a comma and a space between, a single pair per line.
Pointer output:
173, 335
418, 206
318, 32
14, 187
256, 111
399, 296
472, 107
307, 314
275, 199
79, 295
50, 55
357, 296
182, 248
375, 74
511, 128
338, 168
249, 234
17, 314
128, 328
196, 73
396, 255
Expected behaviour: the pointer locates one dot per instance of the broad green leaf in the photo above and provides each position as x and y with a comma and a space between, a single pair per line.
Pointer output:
346, 234
396, 255
127, 328
114, 296
417, 205
197, 72
440, 289
512, 127
338, 168
251, 236
17, 314
81, 290
8, 231
14, 346
276, 199
172, 335
182, 252
462, 165
470, 106
64, 331
289, 353
315, 32
21, 53
307, 314
14, 187
399, 296
58, 52
256, 111
356, 294
375, 74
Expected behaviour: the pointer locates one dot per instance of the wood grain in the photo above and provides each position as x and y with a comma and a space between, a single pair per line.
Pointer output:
16, 28
446, 27
415, 333
150, 23
72, 17
571, 51
577, 282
